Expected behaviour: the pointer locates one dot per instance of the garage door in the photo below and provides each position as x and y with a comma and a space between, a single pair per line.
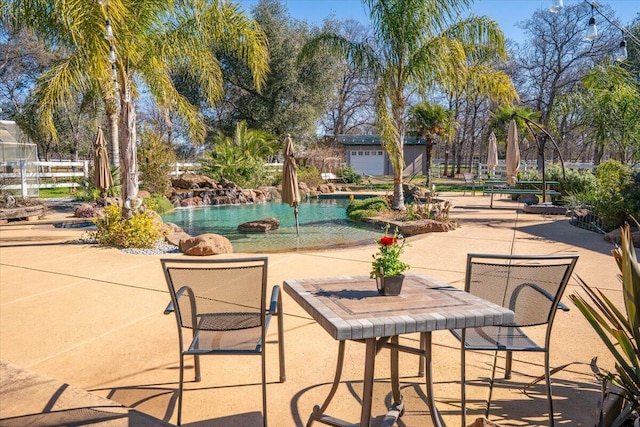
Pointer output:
368, 162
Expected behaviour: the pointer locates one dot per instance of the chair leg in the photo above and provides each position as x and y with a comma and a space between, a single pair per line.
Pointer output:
180, 388
283, 375
507, 365
547, 375
264, 387
493, 376
463, 379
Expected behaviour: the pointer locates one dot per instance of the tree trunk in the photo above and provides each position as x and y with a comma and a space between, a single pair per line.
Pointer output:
128, 160
114, 146
428, 155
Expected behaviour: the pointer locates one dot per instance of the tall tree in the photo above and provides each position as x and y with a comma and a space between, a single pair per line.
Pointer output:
294, 96
150, 38
613, 109
415, 44
351, 109
557, 56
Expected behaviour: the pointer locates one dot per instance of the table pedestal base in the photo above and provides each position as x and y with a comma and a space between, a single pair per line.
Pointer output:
373, 346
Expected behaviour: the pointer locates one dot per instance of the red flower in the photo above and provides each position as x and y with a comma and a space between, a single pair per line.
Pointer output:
388, 240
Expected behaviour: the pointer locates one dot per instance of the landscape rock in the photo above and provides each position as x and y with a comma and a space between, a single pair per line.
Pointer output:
176, 237
206, 244
259, 226
86, 210
190, 181
614, 237
412, 228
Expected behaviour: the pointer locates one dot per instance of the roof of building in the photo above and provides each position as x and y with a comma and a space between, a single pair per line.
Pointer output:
373, 140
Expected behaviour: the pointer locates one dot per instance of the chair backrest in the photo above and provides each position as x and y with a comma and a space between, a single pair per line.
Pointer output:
530, 286
232, 289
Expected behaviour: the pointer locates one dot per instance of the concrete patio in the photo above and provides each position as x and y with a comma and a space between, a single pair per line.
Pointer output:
76, 318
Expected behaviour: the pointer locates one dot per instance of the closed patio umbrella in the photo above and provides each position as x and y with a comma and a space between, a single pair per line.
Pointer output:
101, 169
492, 155
290, 192
513, 154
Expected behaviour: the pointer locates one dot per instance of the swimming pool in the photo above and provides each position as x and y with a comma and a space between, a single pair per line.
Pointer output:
323, 224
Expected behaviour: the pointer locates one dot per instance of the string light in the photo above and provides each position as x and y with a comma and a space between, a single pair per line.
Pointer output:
556, 5
108, 31
621, 53
112, 54
592, 30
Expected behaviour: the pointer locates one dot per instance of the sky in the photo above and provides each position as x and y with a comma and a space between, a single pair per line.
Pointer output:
506, 12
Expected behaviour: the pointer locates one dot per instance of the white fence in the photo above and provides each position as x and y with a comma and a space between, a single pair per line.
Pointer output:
501, 168
29, 177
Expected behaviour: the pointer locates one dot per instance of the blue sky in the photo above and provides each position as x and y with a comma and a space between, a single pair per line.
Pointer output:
506, 12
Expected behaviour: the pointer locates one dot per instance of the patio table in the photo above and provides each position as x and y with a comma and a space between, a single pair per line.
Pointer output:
350, 308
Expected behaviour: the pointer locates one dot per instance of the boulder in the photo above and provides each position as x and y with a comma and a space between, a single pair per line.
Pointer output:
175, 237
206, 244
191, 202
189, 181
614, 237
86, 210
259, 226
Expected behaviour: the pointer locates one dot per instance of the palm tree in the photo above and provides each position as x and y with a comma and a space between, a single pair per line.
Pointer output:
416, 45
429, 121
151, 39
240, 158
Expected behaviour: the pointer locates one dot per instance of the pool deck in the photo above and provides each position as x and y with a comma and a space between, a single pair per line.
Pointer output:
81, 329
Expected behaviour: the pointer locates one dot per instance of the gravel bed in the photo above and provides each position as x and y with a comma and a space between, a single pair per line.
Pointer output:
161, 247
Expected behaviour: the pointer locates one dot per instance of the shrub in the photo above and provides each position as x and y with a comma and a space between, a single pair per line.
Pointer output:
310, 175
159, 204
349, 175
155, 158
612, 178
140, 231
359, 209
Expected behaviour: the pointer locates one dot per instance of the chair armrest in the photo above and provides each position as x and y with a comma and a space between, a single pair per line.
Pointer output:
546, 294
273, 304
170, 309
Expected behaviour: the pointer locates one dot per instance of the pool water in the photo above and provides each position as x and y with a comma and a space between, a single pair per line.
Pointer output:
323, 224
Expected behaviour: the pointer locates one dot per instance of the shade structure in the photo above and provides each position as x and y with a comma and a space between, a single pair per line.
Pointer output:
492, 155
513, 154
101, 169
290, 191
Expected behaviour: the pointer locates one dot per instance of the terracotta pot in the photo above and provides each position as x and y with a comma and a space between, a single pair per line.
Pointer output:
389, 285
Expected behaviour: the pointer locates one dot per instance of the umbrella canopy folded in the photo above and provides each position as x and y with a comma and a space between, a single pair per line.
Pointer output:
513, 154
290, 191
101, 169
492, 154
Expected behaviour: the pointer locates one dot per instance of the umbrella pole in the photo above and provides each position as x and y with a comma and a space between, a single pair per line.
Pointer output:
295, 212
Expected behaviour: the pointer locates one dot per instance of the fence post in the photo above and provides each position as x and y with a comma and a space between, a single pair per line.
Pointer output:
85, 170
23, 178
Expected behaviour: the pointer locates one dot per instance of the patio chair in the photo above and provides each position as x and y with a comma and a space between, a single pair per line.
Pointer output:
469, 182
223, 302
531, 286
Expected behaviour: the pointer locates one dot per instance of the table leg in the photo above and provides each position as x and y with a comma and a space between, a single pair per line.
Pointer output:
318, 411
395, 376
367, 391
435, 415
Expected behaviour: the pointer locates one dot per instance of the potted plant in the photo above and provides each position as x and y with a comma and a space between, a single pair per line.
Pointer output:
619, 330
387, 268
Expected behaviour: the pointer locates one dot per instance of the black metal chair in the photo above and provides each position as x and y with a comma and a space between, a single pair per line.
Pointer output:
223, 302
531, 286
